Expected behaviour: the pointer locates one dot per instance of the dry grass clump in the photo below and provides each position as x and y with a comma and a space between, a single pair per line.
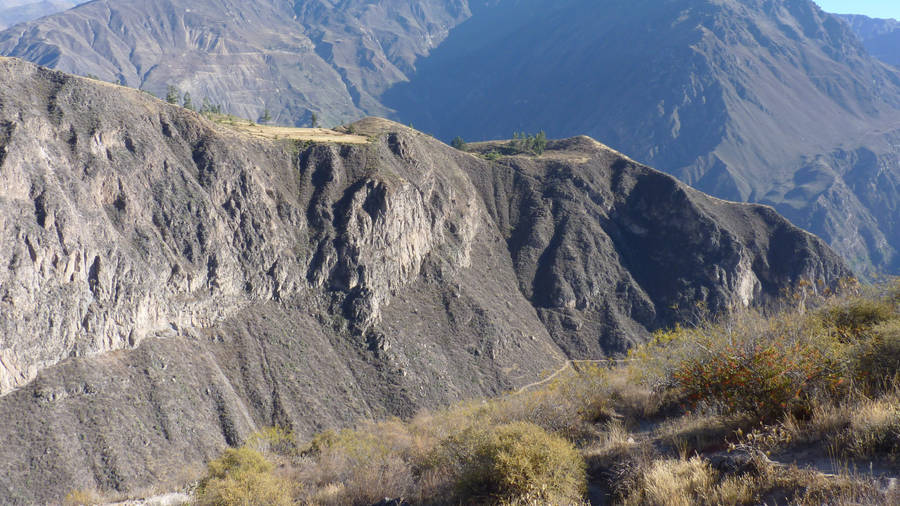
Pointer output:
694, 481
680, 482
876, 358
872, 429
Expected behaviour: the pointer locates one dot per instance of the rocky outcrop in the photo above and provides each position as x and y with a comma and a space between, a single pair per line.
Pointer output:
168, 285
604, 246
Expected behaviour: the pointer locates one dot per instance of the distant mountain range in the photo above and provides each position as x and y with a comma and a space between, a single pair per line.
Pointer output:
293, 58
880, 36
769, 101
761, 101
18, 11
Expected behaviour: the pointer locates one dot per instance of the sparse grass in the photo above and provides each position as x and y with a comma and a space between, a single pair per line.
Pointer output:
286, 133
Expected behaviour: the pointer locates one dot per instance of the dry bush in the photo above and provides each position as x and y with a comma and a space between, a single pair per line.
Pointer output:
673, 483
513, 463
361, 466
81, 498
876, 358
243, 477
853, 315
750, 364
693, 481
569, 405
273, 441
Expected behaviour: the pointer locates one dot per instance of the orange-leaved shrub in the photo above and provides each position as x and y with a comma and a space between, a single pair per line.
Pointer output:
762, 378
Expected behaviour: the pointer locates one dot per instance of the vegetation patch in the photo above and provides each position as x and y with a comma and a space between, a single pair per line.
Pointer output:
740, 410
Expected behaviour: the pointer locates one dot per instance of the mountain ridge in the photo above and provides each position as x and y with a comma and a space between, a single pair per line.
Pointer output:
880, 36
19, 11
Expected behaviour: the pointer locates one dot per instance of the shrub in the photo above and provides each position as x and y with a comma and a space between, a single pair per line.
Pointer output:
362, 466
747, 364
173, 95
876, 359
458, 143
859, 314
81, 498
535, 143
514, 462
243, 477
874, 430
273, 440
761, 378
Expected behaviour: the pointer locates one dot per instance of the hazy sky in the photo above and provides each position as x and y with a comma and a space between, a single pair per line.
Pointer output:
872, 8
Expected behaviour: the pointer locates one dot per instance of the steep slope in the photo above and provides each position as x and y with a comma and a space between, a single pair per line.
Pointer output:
171, 285
293, 58
881, 37
19, 11
762, 101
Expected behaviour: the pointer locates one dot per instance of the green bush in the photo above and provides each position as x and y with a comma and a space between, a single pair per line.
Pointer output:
513, 463
243, 477
534, 143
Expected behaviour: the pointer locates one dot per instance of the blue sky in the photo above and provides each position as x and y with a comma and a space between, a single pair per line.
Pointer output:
871, 8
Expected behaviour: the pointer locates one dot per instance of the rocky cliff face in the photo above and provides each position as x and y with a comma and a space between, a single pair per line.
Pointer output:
168, 285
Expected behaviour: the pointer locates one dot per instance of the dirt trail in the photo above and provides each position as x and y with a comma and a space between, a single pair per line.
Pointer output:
568, 365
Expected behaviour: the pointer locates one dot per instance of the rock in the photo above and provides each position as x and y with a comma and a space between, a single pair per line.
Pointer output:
734, 462
391, 502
